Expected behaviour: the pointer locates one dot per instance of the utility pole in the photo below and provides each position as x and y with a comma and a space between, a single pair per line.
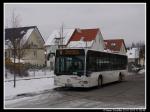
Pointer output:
61, 36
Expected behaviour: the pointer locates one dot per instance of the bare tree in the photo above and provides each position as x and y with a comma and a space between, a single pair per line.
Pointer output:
15, 40
61, 36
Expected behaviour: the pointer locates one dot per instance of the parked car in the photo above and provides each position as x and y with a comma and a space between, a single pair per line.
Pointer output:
135, 68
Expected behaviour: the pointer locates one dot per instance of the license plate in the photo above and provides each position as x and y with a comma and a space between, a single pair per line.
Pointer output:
68, 85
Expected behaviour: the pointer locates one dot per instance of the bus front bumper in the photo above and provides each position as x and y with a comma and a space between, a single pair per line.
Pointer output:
71, 84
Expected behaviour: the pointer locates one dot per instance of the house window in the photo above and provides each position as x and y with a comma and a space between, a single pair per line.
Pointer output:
35, 53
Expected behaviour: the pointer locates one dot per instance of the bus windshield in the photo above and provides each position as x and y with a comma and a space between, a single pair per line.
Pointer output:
69, 64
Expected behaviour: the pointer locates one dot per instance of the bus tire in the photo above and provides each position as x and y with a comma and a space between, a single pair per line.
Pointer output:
120, 77
100, 81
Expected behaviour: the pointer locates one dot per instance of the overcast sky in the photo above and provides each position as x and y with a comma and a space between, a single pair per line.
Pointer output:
126, 21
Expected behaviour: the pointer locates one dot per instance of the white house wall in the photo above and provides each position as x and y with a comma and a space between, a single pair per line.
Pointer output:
98, 44
35, 39
122, 50
35, 56
34, 59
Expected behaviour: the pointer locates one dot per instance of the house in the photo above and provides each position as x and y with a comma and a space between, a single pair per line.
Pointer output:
30, 42
115, 46
133, 55
8, 49
142, 56
87, 38
133, 58
57, 39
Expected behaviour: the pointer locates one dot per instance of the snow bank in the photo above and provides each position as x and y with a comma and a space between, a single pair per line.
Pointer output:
39, 80
27, 86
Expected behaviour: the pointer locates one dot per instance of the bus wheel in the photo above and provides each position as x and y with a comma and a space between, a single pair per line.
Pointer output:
100, 81
120, 77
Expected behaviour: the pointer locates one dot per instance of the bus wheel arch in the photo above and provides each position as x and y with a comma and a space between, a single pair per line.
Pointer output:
100, 80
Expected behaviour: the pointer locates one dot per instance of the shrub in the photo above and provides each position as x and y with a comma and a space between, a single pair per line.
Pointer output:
19, 69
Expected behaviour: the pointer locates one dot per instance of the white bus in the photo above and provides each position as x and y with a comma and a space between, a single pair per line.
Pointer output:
88, 68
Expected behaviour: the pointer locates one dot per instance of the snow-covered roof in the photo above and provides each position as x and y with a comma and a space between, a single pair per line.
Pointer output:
67, 33
26, 36
81, 44
22, 33
114, 44
133, 53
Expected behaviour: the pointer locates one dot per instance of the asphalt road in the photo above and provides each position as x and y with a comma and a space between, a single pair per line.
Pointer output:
127, 94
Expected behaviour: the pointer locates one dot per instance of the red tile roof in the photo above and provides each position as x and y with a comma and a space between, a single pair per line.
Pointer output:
114, 44
86, 34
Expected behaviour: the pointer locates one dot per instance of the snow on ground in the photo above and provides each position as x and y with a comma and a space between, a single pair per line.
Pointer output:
142, 71
27, 86
17, 60
38, 81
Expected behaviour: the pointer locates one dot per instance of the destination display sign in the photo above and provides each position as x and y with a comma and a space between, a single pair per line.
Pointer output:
70, 52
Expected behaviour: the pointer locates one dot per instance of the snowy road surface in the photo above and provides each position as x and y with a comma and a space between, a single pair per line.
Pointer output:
127, 94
